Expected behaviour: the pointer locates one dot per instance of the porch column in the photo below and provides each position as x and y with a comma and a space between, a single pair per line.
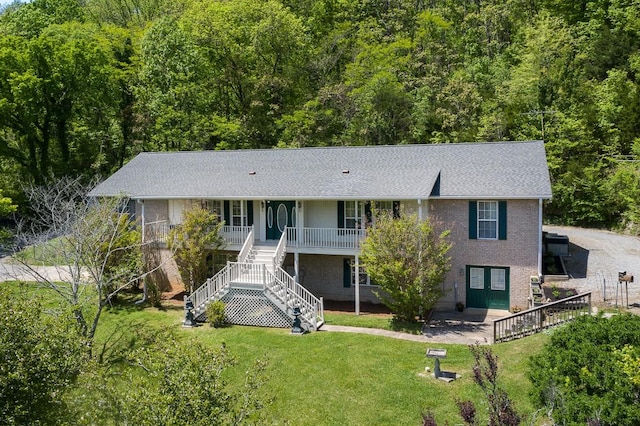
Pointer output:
142, 219
420, 210
357, 260
299, 224
296, 265
539, 237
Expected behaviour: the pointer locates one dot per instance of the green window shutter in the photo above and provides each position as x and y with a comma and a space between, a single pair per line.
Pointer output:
368, 214
473, 220
396, 209
340, 214
226, 210
502, 220
250, 212
346, 273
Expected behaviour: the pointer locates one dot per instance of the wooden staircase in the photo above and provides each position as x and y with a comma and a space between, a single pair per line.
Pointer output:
257, 291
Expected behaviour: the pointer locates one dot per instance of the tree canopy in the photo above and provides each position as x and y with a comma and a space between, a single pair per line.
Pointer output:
84, 86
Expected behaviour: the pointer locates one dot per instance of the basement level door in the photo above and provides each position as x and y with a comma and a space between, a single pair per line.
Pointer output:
280, 214
487, 287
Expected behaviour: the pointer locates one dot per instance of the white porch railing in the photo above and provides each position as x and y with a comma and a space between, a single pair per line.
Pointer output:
159, 231
236, 234
209, 291
329, 238
247, 246
156, 231
295, 295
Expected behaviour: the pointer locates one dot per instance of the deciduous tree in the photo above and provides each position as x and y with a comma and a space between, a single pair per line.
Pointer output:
407, 258
195, 240
95, 249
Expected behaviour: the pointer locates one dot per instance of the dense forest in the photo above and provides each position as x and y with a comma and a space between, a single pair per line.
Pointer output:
86, 85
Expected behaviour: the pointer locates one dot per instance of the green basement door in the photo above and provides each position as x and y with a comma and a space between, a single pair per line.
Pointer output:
488, 287
280, 214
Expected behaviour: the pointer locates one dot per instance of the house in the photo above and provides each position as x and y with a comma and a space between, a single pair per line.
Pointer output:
302, 213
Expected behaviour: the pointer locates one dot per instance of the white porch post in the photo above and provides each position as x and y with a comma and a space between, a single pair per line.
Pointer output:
262, 228
296, 265
420, 210
142, 219
539, 237
357, 266
299, 224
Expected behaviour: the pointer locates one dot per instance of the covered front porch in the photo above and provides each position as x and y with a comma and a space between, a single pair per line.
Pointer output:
299, 240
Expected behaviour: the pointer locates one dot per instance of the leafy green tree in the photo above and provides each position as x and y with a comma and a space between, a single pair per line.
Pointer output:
255, 52
407, 258
41, 354
582, 374
194, 241
57, 97
6, 208
170, 89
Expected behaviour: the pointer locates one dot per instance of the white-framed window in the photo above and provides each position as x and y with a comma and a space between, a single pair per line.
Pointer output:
353, 211
488, 220
215, 207
498, 279
384, 207
362, 276
476, 278
238, 212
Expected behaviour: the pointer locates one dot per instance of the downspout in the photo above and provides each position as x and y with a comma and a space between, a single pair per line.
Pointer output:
539, 237
144, 283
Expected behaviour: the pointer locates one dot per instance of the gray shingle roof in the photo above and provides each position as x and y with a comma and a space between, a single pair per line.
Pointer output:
466, 170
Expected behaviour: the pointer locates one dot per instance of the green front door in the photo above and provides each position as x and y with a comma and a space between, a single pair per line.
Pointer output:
487, 287
280, 214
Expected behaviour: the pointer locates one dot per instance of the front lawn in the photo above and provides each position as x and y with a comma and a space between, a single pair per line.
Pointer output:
341, 378
325, 378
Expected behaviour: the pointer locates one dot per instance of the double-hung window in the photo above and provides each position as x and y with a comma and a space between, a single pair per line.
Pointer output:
215, 207
488, 220
238, 213
352, 213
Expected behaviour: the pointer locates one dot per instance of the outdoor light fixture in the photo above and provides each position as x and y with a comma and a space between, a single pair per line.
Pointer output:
297, 324
299, 204
189, 320
262, 204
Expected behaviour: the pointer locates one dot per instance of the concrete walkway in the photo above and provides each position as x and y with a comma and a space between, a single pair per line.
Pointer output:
466, 328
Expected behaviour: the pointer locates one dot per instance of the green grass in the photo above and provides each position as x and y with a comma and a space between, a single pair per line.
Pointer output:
325, 378
340, 378
45, 254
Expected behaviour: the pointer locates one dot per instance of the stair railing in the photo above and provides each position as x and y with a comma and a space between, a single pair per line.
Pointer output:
293, 295
281, 250
247, 246
208, 291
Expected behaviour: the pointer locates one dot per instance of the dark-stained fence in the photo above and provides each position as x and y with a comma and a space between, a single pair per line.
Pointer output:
541, 317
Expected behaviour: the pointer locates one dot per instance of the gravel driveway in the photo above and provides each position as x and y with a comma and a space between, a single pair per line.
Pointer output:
595, 259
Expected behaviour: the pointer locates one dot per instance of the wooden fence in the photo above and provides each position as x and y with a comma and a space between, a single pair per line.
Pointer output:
541, 317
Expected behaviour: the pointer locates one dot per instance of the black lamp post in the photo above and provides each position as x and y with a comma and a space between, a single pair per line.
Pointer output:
189, 320
297, 324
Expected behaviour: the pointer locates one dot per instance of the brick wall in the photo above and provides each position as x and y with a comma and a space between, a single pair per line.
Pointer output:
156, 210
322, 276
519, 251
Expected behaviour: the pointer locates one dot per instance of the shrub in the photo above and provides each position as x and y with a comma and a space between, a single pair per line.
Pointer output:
583, 374
215, 313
